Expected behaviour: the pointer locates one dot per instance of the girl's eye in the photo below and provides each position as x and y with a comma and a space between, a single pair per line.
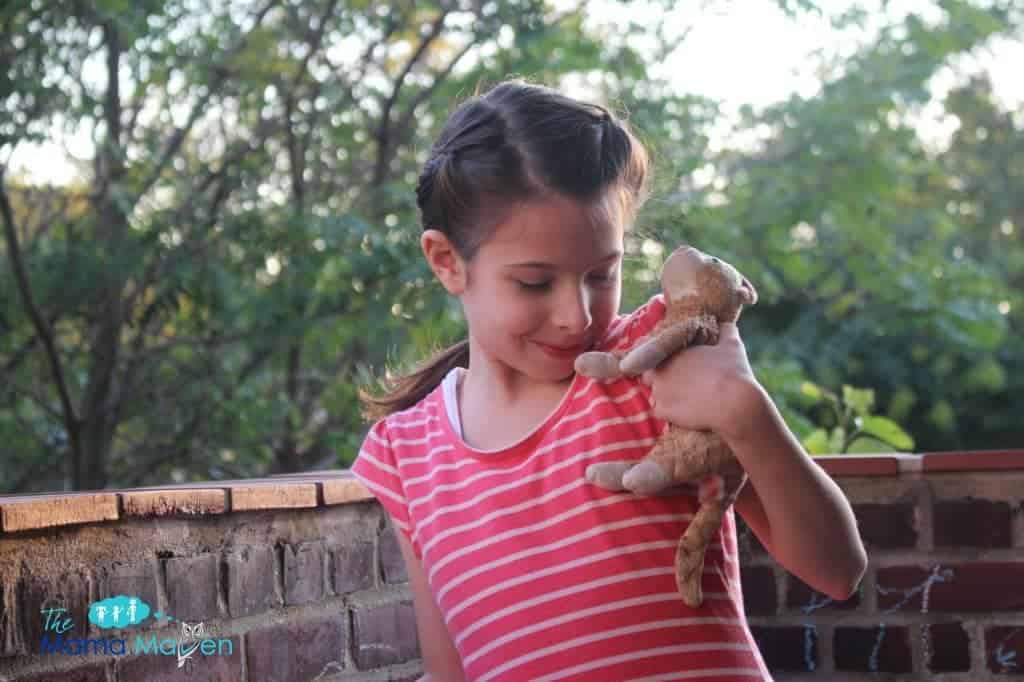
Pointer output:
534, 286
603, 277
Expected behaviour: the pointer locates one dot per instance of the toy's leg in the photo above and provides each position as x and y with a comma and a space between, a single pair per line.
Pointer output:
693, 545
598, 365
608, 475
648, 477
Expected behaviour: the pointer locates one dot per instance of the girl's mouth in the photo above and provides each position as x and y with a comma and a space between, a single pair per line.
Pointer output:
562, 352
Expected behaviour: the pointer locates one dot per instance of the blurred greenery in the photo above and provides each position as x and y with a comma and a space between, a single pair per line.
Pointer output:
239, 253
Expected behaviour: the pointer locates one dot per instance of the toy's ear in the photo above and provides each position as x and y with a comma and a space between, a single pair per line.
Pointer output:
748, 294
445, 261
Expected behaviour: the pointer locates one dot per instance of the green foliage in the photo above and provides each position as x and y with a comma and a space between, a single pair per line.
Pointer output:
241, 250
849, 425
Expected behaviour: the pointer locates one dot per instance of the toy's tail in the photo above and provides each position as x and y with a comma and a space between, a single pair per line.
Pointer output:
692, 547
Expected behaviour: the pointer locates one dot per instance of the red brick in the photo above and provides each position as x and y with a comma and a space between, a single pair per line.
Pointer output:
800, 596
385, 635
160, 668
975, 587
788, 649
949, 648
46, 511
972, 522
69, 592
887, 526
138, 580
192, 587
878, 649
303, 573
297, 650
352, 567
976, 460
391, 562
759, 596
251, 574
86, 673
1004, 649
748, 543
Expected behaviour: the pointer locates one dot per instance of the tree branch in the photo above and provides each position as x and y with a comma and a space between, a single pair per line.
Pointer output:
43, 329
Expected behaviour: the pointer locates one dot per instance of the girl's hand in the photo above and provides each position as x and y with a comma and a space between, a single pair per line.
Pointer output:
706, 387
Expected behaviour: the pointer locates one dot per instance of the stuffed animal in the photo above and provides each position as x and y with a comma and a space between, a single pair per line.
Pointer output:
701, 292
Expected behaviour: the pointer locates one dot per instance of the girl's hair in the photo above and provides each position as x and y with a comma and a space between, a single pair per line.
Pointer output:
515, 143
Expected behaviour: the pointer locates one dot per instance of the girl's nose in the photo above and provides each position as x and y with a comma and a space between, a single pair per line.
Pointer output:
572, 311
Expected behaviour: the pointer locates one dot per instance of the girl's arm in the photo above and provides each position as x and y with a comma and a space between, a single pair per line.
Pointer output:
440, 659
797, 511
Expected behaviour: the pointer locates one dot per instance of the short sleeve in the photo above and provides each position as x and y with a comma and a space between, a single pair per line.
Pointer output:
376, 467
626, 330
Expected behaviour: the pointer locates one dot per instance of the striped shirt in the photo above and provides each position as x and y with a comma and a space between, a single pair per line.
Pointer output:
542, 576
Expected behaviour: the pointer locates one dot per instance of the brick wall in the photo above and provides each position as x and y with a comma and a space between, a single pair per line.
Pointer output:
301, 578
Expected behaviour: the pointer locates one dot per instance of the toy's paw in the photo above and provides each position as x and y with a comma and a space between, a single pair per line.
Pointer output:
597, 365
608, 475
647, 478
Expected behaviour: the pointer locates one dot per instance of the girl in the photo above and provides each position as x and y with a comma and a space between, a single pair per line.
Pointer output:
520, 570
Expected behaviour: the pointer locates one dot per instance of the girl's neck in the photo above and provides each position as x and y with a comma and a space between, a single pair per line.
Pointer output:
498, 406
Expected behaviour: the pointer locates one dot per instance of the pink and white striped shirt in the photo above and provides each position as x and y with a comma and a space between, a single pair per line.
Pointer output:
542, 576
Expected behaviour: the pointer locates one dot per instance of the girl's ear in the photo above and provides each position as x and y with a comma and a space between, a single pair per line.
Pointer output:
444, 260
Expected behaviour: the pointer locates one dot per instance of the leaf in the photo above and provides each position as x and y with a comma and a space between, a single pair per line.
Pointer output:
860, 399
816, 442
887, 430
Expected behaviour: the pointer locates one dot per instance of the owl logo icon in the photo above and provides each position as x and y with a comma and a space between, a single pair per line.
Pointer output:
191, 637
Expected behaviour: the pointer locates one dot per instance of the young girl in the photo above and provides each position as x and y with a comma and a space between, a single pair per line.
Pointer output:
520, 569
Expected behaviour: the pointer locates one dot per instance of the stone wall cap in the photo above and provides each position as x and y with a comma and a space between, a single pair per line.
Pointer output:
312, 489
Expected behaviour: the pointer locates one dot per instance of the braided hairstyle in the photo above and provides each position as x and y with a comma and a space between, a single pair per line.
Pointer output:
517, 142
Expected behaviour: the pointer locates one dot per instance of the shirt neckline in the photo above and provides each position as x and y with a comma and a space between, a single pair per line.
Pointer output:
523, 446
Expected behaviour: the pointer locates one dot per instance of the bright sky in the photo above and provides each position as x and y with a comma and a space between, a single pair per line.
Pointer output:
745, 51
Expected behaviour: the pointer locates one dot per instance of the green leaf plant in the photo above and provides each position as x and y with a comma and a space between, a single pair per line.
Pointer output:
849, 426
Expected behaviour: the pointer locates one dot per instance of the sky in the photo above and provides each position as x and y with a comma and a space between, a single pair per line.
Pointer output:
745, 51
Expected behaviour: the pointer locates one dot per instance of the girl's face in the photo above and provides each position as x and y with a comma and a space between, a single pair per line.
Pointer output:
542, 289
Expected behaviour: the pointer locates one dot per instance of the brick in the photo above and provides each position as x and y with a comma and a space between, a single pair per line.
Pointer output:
799, 595
148, 503
192, 587
303, 573
878, 649
47, 511
8, 636
385, 635
759, 596
161, 668
788, 649
251, 573
748, 543
69, 592
949, 648
352, 567
273, 496
391, 562
299, 650
86, 673
131, 580
344, 491
1004, 649
886, 526
971, 522
975, 587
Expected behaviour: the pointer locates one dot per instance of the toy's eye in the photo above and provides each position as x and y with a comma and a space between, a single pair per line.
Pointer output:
715, 260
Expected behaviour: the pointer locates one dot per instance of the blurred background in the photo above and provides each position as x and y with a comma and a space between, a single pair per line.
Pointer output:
210, 232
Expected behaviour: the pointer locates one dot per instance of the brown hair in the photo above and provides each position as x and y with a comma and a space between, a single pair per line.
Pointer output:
516, 142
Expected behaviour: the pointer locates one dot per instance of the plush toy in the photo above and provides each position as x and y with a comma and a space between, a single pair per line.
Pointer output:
701, 292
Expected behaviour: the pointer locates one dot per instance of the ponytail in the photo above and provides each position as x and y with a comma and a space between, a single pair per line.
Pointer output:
405, 391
